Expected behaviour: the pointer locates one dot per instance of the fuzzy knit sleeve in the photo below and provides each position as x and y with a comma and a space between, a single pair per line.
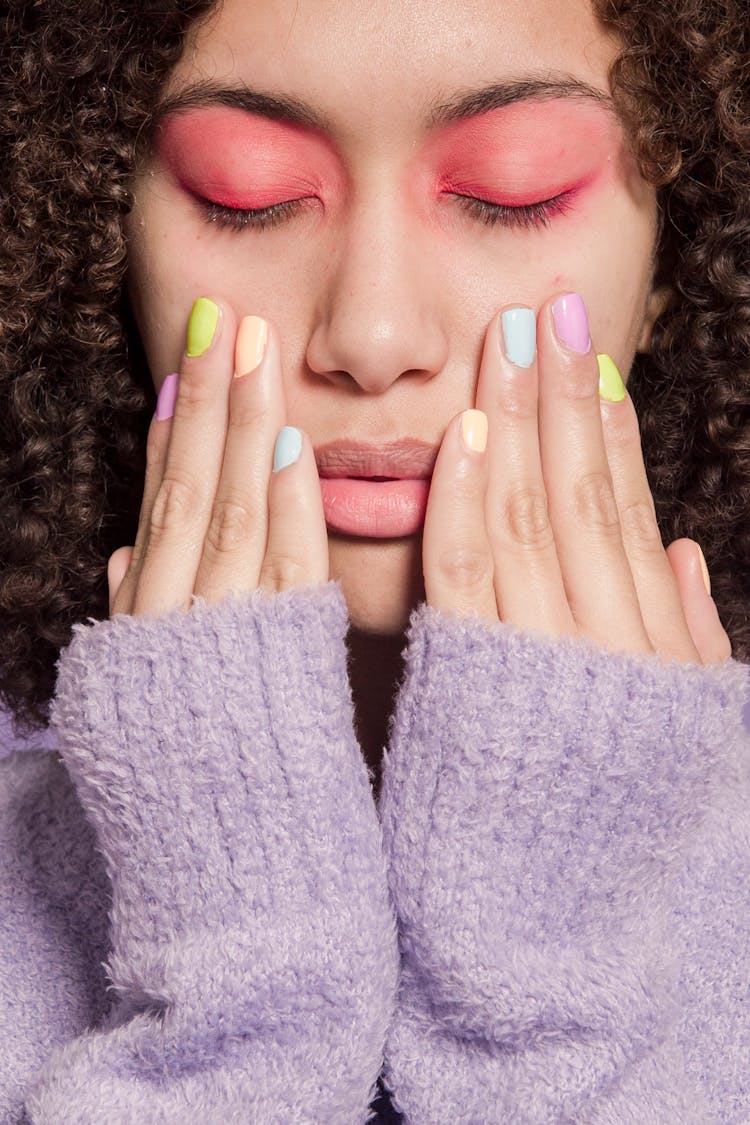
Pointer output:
253, 950
539, 801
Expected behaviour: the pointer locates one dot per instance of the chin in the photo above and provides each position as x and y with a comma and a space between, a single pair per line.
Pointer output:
381, 579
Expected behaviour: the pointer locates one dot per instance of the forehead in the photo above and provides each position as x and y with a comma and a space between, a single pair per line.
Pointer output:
383, 66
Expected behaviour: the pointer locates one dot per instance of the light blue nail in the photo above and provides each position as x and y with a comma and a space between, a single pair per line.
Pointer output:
519, 334
288, 447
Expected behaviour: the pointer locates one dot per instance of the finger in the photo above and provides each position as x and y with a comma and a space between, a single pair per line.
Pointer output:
183, 503
709, 636
156, 457
585, 520
235, 542
658, 593
528, 584
118, 564
456, 554
297, 550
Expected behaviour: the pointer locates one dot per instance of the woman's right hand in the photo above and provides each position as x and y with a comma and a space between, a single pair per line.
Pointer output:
216, 517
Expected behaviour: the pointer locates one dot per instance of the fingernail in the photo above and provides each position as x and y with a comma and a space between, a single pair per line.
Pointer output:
704, 569
611, 386
288, 447
572, 322
474, 429
250, 347
167, 397
202, 326
519, 336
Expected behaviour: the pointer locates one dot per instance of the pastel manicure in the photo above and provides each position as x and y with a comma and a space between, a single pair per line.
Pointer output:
704, 569
167, 397
572, 322
288, 448
202, 326
519, 336
250, 347
611, 386
474, 429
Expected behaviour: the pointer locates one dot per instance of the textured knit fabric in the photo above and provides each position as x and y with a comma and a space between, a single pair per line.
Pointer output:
253, 956
569, 854
197, 898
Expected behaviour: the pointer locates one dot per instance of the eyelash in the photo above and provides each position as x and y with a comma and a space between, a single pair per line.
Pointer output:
528, 216
258, 218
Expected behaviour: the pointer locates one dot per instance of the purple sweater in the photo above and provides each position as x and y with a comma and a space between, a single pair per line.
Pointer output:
205, 918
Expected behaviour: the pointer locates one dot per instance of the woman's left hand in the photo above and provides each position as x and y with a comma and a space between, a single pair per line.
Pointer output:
552, 527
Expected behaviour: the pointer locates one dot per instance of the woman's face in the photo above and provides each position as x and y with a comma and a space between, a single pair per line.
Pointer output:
380, 126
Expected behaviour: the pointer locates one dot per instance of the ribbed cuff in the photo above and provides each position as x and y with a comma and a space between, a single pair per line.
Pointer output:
581, 771
215, 755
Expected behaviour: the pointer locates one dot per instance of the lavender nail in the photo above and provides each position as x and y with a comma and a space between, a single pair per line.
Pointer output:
167, 397
572, 323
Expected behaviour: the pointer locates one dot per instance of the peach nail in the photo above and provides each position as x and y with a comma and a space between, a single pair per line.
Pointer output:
250, 347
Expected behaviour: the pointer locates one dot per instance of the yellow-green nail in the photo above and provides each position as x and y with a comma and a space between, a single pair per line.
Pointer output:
202, 326
611, 386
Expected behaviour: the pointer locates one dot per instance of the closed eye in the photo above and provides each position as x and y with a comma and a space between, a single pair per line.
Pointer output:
525, 216
257, 218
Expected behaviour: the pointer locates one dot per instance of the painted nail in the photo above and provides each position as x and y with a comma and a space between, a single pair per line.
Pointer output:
167, 397
288, 447
572, 322
474, 429
704, 569
202, 326
250, 347
519, 336
611, 386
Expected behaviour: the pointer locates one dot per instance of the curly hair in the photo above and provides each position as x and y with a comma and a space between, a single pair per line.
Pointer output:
78, 85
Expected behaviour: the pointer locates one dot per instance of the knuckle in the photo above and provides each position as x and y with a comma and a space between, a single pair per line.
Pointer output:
283, 571
527, 519
622, 430
580, 384
595, 505
465, 568
518, 397
195, 396
641, 529
230, 527
176, 503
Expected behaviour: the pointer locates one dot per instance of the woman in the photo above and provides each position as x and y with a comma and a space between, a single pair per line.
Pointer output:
384, 267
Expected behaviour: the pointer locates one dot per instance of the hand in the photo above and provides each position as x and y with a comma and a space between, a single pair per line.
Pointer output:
215, 519
552, 527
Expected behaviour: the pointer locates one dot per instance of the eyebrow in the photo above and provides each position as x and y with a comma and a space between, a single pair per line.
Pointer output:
502, 94
470, 104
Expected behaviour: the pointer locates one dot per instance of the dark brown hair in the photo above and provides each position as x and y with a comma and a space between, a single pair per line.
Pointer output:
78, 83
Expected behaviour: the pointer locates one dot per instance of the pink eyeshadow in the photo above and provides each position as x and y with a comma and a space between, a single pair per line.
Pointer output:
526, 152
245, 160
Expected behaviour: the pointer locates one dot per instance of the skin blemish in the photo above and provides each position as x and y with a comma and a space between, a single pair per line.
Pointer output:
243, 160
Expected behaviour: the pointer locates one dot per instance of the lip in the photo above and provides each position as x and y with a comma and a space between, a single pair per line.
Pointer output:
375, 491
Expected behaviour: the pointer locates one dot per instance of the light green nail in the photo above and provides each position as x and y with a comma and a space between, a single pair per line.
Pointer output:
611, 386
202, 326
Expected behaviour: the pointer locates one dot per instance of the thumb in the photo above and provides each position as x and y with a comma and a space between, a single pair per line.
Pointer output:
117, 567
693, 582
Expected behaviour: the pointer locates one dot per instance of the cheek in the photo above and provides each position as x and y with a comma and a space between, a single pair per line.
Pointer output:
174, 257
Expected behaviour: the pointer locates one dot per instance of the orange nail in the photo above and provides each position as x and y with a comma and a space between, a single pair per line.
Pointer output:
250, 347
474, 429
704, 569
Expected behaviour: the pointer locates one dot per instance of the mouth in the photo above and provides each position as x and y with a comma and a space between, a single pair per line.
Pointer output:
375, 491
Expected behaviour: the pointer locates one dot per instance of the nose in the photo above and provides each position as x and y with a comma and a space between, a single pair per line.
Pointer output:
379, 314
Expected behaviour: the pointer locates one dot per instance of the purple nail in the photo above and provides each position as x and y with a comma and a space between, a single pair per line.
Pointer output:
167, 397
572, 323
